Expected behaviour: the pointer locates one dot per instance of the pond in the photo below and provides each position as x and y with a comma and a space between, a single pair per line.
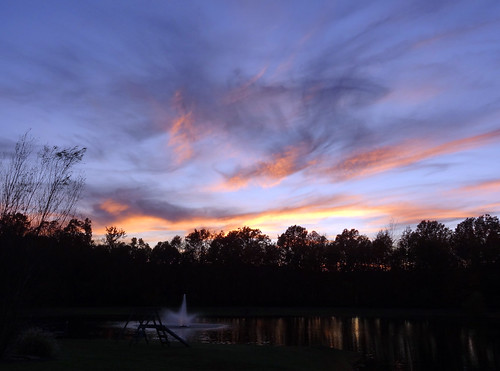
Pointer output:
398, 344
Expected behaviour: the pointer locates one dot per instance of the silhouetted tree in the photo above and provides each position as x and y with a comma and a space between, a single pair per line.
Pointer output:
253, 245
140, 250
16, 225
176, 242
302, 250
354, 250
113, 237
16, 178
293, 244
242, 246
196, 246
225, 249
164, 253
333, 257
44, 188
429, 246
476, 241
382, 248
400, 256
77, 233
272, 255
314, 258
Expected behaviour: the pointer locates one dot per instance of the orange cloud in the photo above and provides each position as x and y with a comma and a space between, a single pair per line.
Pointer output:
180, 135
463, 144
411, 213
280, 166
267, 173
486, 186
135, 224
113, 207
404, 154
182, 131
370, 162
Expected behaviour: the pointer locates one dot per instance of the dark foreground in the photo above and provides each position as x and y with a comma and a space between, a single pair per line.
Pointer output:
97, 354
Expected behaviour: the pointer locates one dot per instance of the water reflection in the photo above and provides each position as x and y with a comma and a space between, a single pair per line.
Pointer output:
398, 344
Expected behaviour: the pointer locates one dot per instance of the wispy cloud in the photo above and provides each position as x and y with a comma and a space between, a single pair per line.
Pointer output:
404, 154
492, 185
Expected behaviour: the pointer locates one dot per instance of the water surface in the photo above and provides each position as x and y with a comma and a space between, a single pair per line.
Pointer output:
394, 343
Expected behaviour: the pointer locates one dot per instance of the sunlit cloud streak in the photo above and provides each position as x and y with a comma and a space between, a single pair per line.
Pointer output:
485, 186
405, 154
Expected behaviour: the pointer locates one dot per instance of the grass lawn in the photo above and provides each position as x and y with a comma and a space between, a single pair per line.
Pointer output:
120, 355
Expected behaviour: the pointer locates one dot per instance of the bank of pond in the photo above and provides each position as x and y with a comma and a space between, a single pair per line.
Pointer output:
384, 339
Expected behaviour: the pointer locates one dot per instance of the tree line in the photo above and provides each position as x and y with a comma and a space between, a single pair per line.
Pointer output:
67, 253
474, 243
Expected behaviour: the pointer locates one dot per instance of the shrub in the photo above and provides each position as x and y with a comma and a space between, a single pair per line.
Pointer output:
35, 342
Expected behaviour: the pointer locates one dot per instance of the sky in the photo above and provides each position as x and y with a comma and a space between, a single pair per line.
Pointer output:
267, 114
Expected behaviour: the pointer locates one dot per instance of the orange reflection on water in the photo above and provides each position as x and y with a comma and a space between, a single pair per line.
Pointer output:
401, 344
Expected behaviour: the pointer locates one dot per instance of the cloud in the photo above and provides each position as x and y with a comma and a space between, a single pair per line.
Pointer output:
112, 207
109, 206
492, 185
369, 162
270, 172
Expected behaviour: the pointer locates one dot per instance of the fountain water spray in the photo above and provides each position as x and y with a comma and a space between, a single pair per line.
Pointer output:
180, 318
183, 316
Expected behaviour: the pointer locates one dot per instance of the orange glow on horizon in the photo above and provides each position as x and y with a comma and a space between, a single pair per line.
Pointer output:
271, 222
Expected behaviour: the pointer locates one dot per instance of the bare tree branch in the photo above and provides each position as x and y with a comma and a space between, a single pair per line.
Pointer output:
42, 187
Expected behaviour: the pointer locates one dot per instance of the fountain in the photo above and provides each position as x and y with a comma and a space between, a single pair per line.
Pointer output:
180, 318
149, 322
